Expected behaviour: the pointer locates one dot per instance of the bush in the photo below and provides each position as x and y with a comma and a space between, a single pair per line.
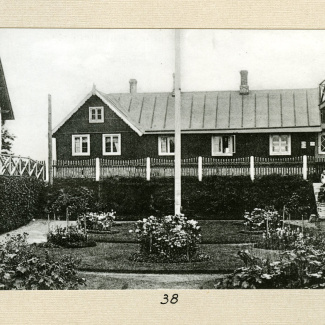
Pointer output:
303, 267
22, 199
22, 269
71, 237
168, 238
97, 221
71, 200
263, 219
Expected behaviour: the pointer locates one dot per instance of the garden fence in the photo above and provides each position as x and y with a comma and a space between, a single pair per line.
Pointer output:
11, 165
199, 167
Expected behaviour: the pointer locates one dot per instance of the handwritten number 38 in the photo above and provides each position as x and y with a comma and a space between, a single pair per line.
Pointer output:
173, 301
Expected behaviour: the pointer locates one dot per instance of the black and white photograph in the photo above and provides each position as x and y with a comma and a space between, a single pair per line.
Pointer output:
162, 159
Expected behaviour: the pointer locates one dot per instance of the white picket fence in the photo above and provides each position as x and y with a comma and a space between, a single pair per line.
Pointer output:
199, 167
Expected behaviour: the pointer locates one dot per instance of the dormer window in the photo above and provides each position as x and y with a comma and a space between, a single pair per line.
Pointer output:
96, 114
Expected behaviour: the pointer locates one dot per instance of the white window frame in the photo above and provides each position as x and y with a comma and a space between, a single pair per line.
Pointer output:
320, 143
74, 137
168, 153
118, 153
232, 139
287, 153
96, 120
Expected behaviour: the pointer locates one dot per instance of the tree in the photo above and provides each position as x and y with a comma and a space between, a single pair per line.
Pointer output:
7, 140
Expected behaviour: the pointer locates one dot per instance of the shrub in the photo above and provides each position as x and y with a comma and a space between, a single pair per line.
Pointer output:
71, 237
168, 238
303, 267
295, 207
22, 199
97, 221
71, 200
22, 269
263, 219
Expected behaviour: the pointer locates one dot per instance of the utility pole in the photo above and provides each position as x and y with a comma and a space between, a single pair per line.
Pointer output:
177, 123
50, 175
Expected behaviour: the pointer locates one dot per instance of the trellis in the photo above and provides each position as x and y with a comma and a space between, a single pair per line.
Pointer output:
11, 165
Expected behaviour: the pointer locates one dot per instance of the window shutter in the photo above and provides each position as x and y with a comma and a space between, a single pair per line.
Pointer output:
233, 144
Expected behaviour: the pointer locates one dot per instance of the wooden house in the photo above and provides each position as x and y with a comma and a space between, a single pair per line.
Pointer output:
6, 112
241, 123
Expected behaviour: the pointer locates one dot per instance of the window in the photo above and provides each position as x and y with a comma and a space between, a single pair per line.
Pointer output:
280, 144
96, 114
111, 144
223, 145
321, 143
80, 145
166, 146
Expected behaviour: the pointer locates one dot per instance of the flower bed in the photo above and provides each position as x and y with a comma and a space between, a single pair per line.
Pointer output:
165, 239
97, 222
69, 237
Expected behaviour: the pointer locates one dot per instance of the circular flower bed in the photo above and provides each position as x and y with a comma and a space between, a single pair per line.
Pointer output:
97, 222
168, 239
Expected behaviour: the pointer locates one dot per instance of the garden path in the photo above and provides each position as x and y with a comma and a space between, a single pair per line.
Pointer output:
105, 280
37, 230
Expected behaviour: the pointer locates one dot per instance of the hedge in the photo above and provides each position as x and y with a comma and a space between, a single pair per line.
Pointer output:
21, 200
218, 198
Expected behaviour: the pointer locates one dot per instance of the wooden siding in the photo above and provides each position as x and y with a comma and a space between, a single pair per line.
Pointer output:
193, 145
134, 146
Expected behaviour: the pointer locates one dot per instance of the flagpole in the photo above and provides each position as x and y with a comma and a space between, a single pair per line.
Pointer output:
177, 124
49, 139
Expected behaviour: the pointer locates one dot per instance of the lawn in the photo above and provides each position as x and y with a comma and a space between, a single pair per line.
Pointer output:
213, 232
114, 257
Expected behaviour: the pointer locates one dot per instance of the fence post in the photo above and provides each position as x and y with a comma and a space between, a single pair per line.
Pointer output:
199, 172
148, 171
97, 170
304, 167
251, 168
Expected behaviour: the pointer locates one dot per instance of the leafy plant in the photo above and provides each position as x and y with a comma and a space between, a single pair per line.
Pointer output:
7, 141
22, 269
303, 267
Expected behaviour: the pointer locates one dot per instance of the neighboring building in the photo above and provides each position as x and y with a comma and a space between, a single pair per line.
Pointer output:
241, 123
6, 112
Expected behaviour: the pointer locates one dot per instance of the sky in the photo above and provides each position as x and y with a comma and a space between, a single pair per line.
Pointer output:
67, 62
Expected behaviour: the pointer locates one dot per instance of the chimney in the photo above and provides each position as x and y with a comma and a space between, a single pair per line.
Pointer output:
133, 86
173, 93
244, 89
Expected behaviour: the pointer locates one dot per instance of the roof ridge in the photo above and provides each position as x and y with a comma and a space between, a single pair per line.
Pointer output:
203, 92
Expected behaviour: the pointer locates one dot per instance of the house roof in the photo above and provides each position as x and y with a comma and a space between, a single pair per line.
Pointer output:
5, 104
225, 111
285, 110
